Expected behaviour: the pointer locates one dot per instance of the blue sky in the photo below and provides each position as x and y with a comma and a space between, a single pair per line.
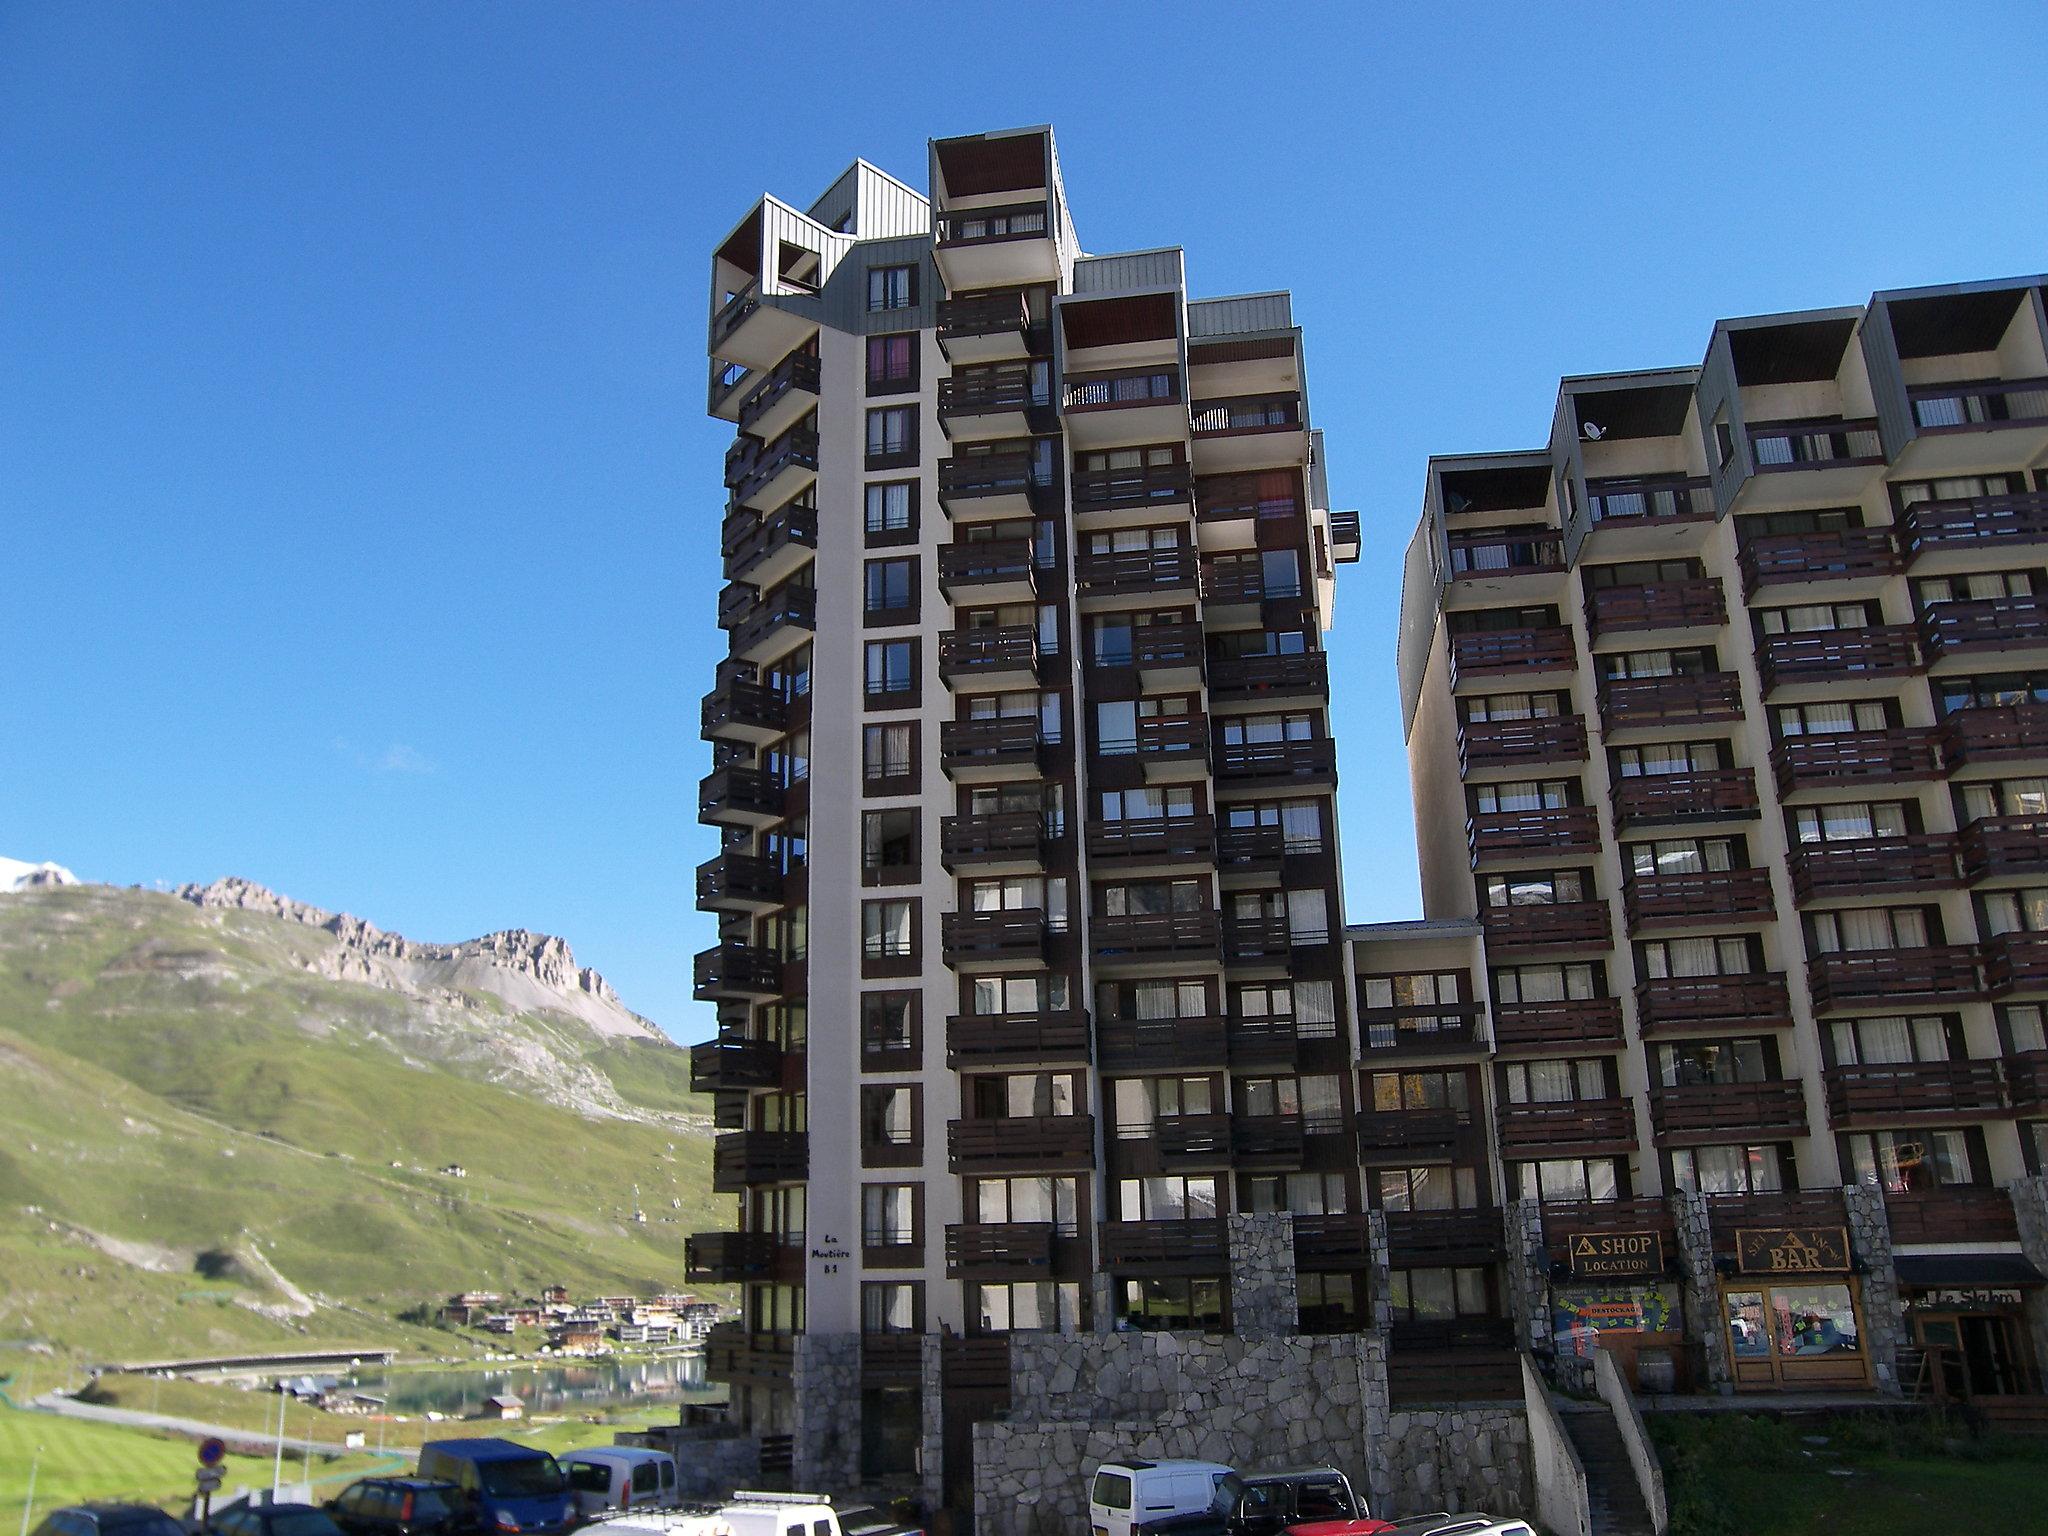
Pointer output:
356, 492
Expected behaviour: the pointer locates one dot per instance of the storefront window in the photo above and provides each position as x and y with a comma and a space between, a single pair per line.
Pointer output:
1581, 1313
1810, 1320
1746, 1330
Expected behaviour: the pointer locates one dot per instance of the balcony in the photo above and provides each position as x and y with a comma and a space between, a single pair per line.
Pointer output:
781, 400
1470, 1359
1564, 1220
2016, 962
1989, 406
1993, 735
786, 618
990, 486
2026, 1079
1153, 840
1326, 1243
1167, 654
1953, 1214
1005, 656
1716, 897
997, 842
988, 571
1837, 656
1155, 936
739, 882
1556, 1028
1265, 1042
1886, 979
755, 334
1194, 1247
734, 972
739, 797
766, 551
1686, 1005
1255, 936
1997, 847
1138, 575
1124, 407
996, 247
1436, 1239
1166, 748
1663, 605
777, 472
1701, 698
1482, 656
1251, 851
728, 1258
1487, 564
1984, 625
1702, 1114
1132, 497
1732, 1213
1833, 452
1161, 1045
986, 328
1491, 835
1267, 1141
997, 401
1420, 1029
1222, 501
1241, 584
998, 1251
1841, 554
1573, 1128
1543, 926
741, 710
1305, 675
1845, 758
1922, 861
1249, 432
1402, 1135
743, 1158
1624, 504
1934, 528
1003, 937
1020, 1143
1310, 764
1914, 1093
1006, 747
975, 1040
729, 1064
738, 1358
1513, 744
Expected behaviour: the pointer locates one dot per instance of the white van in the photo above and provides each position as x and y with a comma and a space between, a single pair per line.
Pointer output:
609, 1478
1124, 1494
749, 1514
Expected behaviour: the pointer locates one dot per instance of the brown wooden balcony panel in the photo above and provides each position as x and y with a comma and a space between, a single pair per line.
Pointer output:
1025, 220
739, 881
983, 562
1702, 698
739, 792
1783, 447
743, 708
1112, 389
1009, 1250
1239, 415
737, 972
1696, 604
1838, 555
1249, 676
1417, 1376
1978, 407
1708, 896
731, 1354
2026, 1081
1403, 1130
1686, 1004
1247, 848
743, 1158
795, 449
1420, 1029
1512, 743
723, 1065
1709, 794
891, 1359
1137, 571
1144, 1045
1259, 936
1884, 978
1170, 736
1900, 754
790, 608
1235, 583
1014, 933
1729, 1214
1509, 834
1954, 1213
1146, 485
1268, 499
1538, 1130
1654, 500
982, 314
1994, 846
993, 837
1162, 934
795, 374
725, 1258
1170, 839
1426, 1239
997, 1039
1547, 925
1332, 1242
1487, 554
1277, 762
1266, 1141
1986, 624
1565, 1024
1182, 1139
1497, 652
1977, 523
1694, 1114
1272, 1042
1009, 741
972, 653
1914, 1092
1839, 655
1920, 861
2016, 962
982, 391
976, 1363
1995, 734
1195, 1246
1020, 1143
965, 478
1565, 1219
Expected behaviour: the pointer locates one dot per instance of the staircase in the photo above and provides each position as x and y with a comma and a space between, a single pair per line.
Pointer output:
1611, 1487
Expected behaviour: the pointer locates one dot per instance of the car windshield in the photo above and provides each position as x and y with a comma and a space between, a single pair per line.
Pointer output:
527, 1477
303, 1522
588, 1476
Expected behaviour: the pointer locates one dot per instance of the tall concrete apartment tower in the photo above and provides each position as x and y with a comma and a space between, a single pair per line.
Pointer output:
1728, 718
1031, 962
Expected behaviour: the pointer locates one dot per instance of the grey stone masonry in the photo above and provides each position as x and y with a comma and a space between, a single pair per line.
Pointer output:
931, 1459
1702, 1297
1528, 1273
1382, 1276
825, 1384
1884, 1315
1263, 1299
1463, 1456
2030, 1210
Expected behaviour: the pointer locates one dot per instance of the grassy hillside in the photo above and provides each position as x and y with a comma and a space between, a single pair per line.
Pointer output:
195, 1128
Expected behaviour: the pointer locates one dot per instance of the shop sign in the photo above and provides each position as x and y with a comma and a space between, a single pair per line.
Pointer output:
1965, 1298
1792, 1250
1614, 1255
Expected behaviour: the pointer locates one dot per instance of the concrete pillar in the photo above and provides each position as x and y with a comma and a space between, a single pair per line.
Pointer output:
825, 1379
1264, 1299
1702, 1297
1884, 1314
1528, 1276
2030, 1208
1382, 1271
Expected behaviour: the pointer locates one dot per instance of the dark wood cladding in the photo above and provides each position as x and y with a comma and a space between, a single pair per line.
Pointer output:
726, 1258
2026, 1080
1839, 758
2005, 845
1882, 979
1195, 1246
1691, 1004
1426, 1239
743, 1158
1838, 655
739, 708
726, 1064
1419, 1029
1463, 1373
1729, 1214
1565, 1219
976, 1363
1274, 1042
1020, 1143
1572, 1128
1267, 1141
787, 608
1987, 624
731, 1354
968, 655
1547, 926
1699, 698
1154, 1045
1994, 734
1137, 572
1139, 486
892, 1359
1976, 523
1559, 1026
1921, 861
733, 971
1505, 652
738, 882
754, 540
1739, 896
1005, 742
795, 374
796, 449
1162, 935
1256, 936
1706, 794
1009, 934
981, 391
1394, 1134
969, 477
1515, 743
1838, 555
1913, 1093
1016, 1039
1278, 763
1698, 1114
967, 563
1516, 834
1153, 840
1002, 837
1954, 1213
999, 1251
1696, 604
2016, 962
1247, 677
982, 314
1335, 1242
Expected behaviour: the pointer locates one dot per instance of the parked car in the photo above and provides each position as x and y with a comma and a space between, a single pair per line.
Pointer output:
1471, 1522
274, 1520
513, 1488
618, 1477
1267, 1504
108, 1520
749, 1514
1124, 1495
402, 1506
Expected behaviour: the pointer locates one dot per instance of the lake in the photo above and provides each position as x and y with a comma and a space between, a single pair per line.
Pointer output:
543, 1388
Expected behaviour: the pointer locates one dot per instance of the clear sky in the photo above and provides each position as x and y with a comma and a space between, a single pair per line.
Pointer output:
358, 509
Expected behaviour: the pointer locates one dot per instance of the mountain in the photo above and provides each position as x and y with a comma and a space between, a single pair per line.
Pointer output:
17, 876
225, 1118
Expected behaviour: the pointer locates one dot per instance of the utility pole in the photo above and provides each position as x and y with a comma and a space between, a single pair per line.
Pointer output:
27, 1509
277, 1460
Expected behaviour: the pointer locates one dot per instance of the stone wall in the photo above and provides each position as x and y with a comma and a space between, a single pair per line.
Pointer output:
1263, 1297
1459, 1457
1702, 1297
710, 1463
1528, 1274
1884, 1313
2030, 1210
825, 1383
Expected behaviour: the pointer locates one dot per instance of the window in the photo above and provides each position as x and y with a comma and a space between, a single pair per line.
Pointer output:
1524, 795
892, 363
892, 671
888, 758
889, 846
1399, 1091
888, 930
1148, 804
1960, 487
1816, 618
1832, 719
889, 1030
1153, 898
1165, 999
1439, 1295
1020, 893
895, 1306
1978, 586
1513, 706
1697, 1063
1682, 856
891, 510
1022, 1095
891, 436
1859, 821
1033, 1305
2001, 797
1176, 1304
991, 996
890, 1118
1669, 757
1663, 959
2024, 910
892, 591
1538, 888
1903, 1161
1304, 1194
1557, 1082
1140, 1102
1296, 826
1437, 1188
1167, 1198
889, 1215
1050, 1200
1546, 983
1325, 1304
1895, 1040
1570, 1178
1728, 1170
1695, 661
1397, 1004
891, 287
1861, 929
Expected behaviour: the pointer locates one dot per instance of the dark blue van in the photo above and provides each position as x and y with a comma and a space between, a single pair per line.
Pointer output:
517, 1490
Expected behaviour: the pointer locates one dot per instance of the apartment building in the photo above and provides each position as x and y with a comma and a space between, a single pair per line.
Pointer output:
1031, 963
1727, 715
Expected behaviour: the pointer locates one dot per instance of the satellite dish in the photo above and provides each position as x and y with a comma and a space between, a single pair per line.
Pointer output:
1592, 431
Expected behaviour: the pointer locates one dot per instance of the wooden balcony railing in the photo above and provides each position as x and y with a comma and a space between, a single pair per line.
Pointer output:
1979, 522
1707, 794
1164, 1247
1675, 1004
1153, 839
796, 449
1261, 936
1840, 554
1974, 407
1694, 604
1420, 1029
975, 1040
1510, 834
1739, 896
1700, 698
1263, 1042
743, 1158
1558, 1130
1427, 1239
1955, 1213
795, 374
997, 837
2015, 962
1139, 486
1267, 499
1332, 1242
1547, 925
738, 882
1138, 572
1838, 655
755, 540
1916, 862
1912, 1093
2026, 1082
1697, 1113
733, 1355
1657, 499
787, 608
742, 709
1156, 935
1777, 446
725, 1258
735, 971
975, 1363
1841, 758
734, 793
997, 1251
1267, 1140
1984, 624
966, 655
1515, 743
1884, 978
1277, 762
970, 477
1729, 1214
969, 563
1405, 1131
1565, 1219
1553, 1027
1147, 1045
1502, 652
1017, 933
1005, 742
996, 390
1119, 388
2005, 845
1020, 1143
1306, 673
983, 314
1994, 734
728, 1063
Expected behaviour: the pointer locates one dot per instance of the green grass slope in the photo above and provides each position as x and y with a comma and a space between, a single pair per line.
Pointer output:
195, 1127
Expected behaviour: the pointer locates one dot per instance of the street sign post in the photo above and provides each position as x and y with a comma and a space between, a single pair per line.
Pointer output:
212, 1452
